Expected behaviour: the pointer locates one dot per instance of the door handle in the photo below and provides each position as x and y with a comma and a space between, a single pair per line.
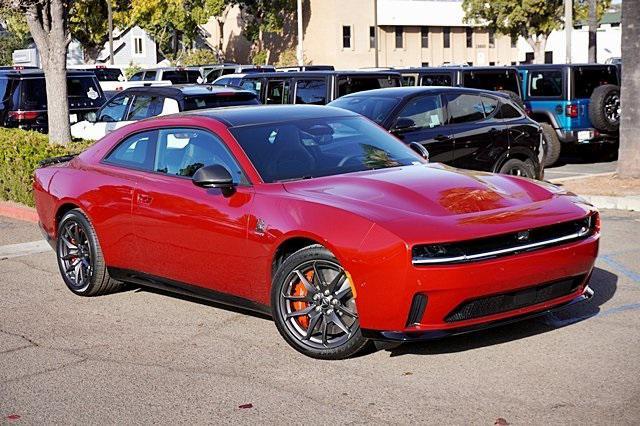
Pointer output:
443, 138
144, 199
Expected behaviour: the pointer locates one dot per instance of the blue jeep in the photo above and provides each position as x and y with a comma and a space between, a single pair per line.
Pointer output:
575, 103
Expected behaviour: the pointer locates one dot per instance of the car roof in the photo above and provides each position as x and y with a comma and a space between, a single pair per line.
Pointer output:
456, 68
407, 91
527, 66
169, 69
265, 114
182, 90
35, 73
280, 74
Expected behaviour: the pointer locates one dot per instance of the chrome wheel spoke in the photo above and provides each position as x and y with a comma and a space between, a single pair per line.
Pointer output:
305, 282
337, 282
325, 326
343, 291
301, 312
347, 311
317, 279
68, 243
313, 322
334, 318
305, 298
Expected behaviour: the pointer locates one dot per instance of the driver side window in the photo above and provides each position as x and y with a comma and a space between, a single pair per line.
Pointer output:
425, 112
115, 109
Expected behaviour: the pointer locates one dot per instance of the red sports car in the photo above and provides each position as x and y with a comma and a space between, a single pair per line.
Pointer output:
318, 217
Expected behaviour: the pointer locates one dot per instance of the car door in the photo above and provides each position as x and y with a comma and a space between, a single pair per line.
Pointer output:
422, 119
476, 131
109, 118
186, 233
277, 92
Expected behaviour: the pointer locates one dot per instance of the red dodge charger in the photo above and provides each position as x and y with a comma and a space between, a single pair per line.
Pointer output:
318, 217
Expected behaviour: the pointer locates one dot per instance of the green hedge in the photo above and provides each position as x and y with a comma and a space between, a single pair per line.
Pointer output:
20, 153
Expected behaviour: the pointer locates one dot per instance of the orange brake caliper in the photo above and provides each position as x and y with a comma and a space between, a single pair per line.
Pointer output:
300, 290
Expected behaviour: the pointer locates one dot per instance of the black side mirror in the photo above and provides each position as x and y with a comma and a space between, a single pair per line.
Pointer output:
403, 125
420, 150
214, 176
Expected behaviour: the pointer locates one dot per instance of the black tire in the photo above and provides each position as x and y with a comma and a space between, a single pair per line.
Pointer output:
604, 108
514, 97
354, 342
97, 281
516, 167
553, 146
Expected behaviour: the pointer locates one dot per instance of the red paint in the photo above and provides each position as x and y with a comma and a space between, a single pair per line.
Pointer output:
369, 220
13, 417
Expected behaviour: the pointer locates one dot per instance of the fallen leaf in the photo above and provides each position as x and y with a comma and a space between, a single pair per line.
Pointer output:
245, 406
13, 417
407, 373
501, 422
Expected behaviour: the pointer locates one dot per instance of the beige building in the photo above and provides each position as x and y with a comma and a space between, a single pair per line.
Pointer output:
410, 33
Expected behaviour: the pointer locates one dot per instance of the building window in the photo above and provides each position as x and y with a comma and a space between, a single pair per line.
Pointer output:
491, 64
424, 37
137, 46
372, 37
470, 64
492, 39
424, 64
346, 37
469, 37
446, 37
399, 37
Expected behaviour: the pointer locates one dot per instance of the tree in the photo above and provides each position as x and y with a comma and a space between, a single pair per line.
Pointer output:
48, 22
629, 153
263, 16
533, 20
219, 9
593, 28
17, 36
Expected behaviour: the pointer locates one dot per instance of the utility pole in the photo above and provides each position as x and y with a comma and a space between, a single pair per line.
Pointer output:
593, 32
110, 21
300, 52
375, 31
568, 26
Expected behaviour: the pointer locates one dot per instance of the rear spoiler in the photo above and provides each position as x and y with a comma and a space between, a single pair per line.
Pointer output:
56, 160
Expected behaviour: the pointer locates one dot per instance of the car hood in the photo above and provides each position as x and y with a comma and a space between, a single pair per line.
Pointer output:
435, 202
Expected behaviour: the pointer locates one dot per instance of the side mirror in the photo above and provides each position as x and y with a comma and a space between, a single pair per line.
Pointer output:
214, 176
403, 125
420, 150
91, 117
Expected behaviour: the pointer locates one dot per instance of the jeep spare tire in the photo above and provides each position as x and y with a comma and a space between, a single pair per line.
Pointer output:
604, 108
514, 97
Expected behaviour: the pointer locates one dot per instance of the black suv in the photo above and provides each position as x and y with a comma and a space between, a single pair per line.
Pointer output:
466, 128
23, 98
309, 87
501, 79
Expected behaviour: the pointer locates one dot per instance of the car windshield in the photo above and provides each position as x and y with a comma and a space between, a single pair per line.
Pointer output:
492, 80
219, 100
376, 108
321, 147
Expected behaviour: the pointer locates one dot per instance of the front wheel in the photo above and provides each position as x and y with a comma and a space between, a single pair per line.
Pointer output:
314, 307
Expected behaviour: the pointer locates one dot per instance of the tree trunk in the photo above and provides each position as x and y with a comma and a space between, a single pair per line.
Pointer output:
91, 53
629, 154
538, 44
221, 36
593, 28
48, 25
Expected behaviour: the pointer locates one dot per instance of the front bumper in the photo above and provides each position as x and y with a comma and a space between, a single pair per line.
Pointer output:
409, 336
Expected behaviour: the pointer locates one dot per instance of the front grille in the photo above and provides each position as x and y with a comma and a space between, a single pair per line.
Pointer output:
505, 244
514, 300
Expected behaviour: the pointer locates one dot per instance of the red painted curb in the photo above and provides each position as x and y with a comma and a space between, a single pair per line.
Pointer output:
18, 211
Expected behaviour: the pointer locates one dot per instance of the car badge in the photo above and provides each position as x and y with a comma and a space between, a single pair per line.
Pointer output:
522, 236
261, 227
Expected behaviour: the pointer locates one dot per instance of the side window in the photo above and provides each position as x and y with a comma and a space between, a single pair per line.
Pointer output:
144, 106
181, 152
424, 112
546, 84
253, 85
137, 76
489, 105
508, 111
408, 80
311, 92
464, 108
135, 151
115, 109
277, 92
4, 83
150, 76
436, 80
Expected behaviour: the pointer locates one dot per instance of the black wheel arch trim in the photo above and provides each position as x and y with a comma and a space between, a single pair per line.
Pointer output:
514, 151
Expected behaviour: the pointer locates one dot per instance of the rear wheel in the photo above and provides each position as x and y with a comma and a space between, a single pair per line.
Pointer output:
314, 307
604, 108
517, 167
553, 146
80, 258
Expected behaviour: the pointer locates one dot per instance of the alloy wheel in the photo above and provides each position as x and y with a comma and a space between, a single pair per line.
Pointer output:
318, 305
612, 108
74, 255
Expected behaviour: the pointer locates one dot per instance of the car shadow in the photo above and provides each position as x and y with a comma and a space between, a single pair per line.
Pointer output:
603, 283
586, 154
237, 309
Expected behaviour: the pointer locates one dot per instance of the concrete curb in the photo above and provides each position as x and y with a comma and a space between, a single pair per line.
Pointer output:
630, 202
18, 211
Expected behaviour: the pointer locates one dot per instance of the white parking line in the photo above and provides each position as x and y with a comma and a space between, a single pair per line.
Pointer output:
24, 249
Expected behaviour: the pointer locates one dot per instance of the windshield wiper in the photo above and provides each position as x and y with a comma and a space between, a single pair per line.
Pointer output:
294, 179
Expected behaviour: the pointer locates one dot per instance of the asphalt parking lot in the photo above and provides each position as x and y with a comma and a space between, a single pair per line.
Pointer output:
576, 162
145, 357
